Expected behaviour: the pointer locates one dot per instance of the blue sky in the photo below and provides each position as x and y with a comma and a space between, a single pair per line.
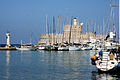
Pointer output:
22, 16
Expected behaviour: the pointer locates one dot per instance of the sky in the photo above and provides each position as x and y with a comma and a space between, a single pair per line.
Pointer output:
20, 17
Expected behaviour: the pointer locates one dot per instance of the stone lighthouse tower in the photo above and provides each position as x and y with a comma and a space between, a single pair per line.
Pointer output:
75, 22
8, 40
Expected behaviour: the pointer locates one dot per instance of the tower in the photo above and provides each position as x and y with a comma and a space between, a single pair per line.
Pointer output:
75, 22
8, 40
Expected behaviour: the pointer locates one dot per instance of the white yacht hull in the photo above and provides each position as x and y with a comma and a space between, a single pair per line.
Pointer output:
74, 48
108, 67
86, 48
63, 48
41, 48
25, 49
105, 63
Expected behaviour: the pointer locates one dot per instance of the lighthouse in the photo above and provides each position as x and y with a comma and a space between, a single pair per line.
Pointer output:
8, 40
75, 22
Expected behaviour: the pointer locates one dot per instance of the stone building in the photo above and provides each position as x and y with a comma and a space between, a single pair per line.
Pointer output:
50, 39
71, 34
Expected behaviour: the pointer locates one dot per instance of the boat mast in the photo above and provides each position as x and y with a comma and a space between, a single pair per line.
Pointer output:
57, 31
70, 30
31, 38
47, 29
53, 29
88, 31
119, 21
21, 43
119, 18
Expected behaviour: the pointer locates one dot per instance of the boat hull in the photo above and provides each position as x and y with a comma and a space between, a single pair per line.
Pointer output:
41, 48
74, 49
86, 48
63, 49
115, 69
109, 67
25, 49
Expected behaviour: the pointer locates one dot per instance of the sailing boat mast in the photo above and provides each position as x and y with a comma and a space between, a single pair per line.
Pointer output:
47, 29
70, 30
31, 38
57, 31
53, 29
119, 18
21, 43
88, 31
119, 21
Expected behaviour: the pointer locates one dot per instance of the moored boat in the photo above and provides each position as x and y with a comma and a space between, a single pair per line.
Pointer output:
86, 47
106, 61
63, 48
41, 47
26, 47
74, 48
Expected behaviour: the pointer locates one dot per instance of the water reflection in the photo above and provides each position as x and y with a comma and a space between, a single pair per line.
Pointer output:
70, 65
50, 65
7, 57
103, 76
26, 57
24, 51
66, 64
7, 64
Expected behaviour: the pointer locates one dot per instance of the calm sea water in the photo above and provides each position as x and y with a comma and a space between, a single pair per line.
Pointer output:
50, 65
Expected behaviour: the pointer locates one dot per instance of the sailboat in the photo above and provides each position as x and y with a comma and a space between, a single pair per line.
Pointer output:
71, 47
43, 47
52, 46
86, 47
27, 46
63, 47
108, 60
74, 48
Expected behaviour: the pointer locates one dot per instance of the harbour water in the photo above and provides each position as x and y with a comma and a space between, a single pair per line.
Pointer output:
50, 65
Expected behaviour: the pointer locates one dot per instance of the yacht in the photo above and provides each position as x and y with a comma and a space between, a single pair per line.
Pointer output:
26, 47
106, 61
63, 48
74, 47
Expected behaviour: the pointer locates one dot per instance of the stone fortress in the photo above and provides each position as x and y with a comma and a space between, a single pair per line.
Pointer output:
71, 34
